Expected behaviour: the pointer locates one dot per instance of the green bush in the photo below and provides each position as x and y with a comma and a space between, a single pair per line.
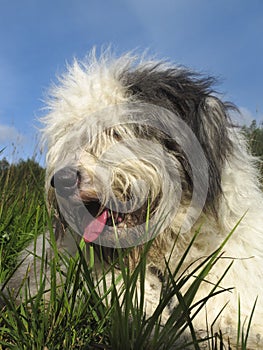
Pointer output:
22, 206
254, 135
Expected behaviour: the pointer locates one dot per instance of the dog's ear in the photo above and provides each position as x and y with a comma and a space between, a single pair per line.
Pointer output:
209, 120
212, 131
190, 97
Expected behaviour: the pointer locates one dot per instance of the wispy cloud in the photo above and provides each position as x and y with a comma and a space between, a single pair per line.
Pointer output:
10, 134
245, 116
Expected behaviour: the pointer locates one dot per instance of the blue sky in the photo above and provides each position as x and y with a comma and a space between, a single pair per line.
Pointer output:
218, 37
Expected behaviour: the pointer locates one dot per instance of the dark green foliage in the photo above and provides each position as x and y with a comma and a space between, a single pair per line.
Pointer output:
21, 206
254, 134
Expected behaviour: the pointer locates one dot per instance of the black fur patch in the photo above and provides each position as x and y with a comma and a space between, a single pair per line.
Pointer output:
192, 98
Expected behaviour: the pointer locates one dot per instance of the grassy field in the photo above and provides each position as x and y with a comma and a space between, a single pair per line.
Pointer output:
79, 315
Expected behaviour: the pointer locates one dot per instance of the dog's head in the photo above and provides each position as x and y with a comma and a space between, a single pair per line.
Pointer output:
132, 146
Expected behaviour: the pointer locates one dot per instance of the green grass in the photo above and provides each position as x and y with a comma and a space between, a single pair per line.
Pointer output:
83, 312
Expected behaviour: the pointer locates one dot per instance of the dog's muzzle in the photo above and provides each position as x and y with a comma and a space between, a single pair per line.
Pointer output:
65, 181
87, 216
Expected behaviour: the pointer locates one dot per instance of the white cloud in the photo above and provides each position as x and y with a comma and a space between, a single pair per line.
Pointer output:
245, 116
10, 134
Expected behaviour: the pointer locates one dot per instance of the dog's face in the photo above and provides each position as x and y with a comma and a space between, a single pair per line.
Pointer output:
142, 161
120, 174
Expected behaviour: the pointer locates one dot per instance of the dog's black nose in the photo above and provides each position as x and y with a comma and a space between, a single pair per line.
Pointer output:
65, 181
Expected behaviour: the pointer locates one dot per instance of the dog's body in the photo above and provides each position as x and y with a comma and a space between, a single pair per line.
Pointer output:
112, 124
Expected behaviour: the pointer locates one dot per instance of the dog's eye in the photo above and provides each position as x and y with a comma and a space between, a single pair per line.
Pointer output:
113, 134
116, 135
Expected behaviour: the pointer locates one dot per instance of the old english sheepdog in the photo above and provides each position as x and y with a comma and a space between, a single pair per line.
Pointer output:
133, 141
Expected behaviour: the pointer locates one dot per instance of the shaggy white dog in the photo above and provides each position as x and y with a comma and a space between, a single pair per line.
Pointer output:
127, 137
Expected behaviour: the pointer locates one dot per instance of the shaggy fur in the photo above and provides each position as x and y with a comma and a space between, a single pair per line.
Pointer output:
124, 136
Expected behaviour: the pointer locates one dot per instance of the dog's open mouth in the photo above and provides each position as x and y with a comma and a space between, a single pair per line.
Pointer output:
83, 210
98, 219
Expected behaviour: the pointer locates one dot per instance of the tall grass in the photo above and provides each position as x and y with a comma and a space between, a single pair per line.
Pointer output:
22, 208
85, 311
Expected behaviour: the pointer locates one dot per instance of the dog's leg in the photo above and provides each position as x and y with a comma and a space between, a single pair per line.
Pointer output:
31, 265
34, 266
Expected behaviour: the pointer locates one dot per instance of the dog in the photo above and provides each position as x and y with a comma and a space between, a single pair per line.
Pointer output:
132, 141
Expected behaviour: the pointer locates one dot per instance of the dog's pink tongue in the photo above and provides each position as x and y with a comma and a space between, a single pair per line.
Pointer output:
94, 229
